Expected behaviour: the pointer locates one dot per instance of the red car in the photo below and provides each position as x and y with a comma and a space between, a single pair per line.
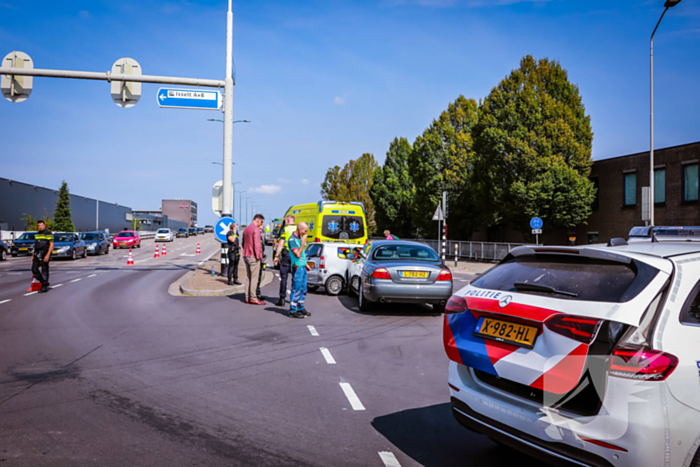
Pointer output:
127, 239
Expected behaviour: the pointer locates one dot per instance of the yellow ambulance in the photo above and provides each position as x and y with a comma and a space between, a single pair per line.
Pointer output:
332, 221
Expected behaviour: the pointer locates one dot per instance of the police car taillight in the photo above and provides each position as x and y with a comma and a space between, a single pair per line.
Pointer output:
642, 364
580, 328
456, 304
322, 263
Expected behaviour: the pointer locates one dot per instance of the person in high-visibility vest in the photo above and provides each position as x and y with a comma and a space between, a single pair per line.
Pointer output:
282, 256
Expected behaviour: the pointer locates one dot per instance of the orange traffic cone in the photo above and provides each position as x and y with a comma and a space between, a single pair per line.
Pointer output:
130, 260
164, 253
36, 285
156, 254
198, 252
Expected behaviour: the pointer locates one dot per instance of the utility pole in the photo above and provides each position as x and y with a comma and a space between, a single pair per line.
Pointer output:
228, 117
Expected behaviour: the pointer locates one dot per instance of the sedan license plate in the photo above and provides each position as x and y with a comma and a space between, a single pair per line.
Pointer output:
23, 249
312, 264
414, 274
505, 331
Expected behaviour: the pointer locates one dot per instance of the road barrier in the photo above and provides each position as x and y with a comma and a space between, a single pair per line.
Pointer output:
472, 251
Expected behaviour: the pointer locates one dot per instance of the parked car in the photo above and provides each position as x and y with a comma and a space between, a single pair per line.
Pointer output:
200, 230
328, 263
97, 242
68, 245
582, 355
355, 267
399, 271
192, 231
4, 248
164, 235
127, 239
183, 232
23, 245
209, 228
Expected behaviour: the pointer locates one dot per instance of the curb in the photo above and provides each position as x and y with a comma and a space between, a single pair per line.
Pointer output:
184, 282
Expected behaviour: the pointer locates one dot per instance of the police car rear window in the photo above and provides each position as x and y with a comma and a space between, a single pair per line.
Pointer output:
569, 277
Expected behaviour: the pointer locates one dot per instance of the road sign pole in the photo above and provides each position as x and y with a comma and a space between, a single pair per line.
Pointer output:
228, 116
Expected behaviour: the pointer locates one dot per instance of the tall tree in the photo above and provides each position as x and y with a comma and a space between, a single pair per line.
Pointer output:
443, 160
534, 143
353, 183
62, 216
393, 191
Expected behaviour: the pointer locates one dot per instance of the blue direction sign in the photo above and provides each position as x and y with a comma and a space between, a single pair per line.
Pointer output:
536, 223
188, 99
221, 228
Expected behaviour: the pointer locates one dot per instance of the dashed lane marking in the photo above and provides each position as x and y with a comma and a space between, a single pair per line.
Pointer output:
313, 331
389, 459
352, 397
327, 355
92, 275
76, 280
30, 293
56, 286
5, 301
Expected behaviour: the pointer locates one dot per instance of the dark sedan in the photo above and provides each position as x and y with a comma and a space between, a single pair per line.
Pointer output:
403, 272
24, 245
182, 233
97, 243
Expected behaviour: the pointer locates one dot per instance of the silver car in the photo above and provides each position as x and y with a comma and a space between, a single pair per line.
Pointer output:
397, 271
328, 263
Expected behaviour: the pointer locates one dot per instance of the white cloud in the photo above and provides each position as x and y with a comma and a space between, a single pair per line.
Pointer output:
340, 100
266, 189
304, 182
283, 180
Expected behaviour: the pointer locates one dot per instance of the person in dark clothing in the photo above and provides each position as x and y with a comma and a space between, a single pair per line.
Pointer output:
282, 256
43, 246
234, 254
263, 266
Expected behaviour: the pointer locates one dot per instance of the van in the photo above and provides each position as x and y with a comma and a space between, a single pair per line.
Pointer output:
332, 221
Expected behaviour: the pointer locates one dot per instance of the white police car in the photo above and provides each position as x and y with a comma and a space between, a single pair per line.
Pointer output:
583, 355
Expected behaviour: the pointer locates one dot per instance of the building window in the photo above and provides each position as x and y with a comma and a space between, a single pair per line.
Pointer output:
631, 189
596, 198
659, 186
690, 182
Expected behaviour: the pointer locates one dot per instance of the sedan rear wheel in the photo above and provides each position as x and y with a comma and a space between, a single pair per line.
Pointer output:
334, 285
364, 305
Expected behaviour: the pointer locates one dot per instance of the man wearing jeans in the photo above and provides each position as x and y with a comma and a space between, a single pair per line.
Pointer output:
252, 257
297, 248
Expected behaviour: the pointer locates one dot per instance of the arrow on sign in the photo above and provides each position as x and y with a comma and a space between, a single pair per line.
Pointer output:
162, 96
223, 230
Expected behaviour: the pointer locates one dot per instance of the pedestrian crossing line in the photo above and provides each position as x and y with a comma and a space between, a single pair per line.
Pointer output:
76, 280
5, 301
389, 459
352, 397
30, 293
327, 355
313, 331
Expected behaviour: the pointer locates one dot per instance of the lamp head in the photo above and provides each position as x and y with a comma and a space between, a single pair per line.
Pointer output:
671, 3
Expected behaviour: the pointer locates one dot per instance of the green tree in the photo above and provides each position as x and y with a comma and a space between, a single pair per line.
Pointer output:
353, 183
62, 216
30, 222
443, 159
393, 191
534, 144
136, 225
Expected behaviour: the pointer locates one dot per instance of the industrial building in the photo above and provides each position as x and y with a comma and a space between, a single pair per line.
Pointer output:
182, 210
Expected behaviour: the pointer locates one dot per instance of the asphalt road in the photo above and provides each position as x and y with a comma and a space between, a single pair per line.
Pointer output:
109, 369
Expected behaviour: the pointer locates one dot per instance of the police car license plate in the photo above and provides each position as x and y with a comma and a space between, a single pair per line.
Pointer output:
506, 331
414, 274
312, 264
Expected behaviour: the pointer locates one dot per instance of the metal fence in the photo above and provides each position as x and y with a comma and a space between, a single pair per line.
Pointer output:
472, 251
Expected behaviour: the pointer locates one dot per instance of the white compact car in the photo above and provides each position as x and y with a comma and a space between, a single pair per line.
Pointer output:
583, 355
164, 235
328, 263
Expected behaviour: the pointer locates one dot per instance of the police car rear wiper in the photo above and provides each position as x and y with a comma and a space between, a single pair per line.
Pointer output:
524, 286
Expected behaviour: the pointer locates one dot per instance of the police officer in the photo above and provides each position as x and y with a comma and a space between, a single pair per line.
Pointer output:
282, 256
234, 253
43, 246
263, 267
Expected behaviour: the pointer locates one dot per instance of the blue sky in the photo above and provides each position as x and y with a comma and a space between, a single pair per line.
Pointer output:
321, 81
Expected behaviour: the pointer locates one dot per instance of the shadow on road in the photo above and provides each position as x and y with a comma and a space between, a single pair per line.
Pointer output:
432, 437
387, 309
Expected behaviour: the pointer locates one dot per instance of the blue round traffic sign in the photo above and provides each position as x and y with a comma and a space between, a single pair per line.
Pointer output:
221, 228
536, 223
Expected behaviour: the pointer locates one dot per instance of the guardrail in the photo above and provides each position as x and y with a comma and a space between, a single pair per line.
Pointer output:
473, 251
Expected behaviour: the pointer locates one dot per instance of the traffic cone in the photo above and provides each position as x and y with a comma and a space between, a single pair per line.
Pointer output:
164, 253
130, 260
36, 285
156, 254
198, 252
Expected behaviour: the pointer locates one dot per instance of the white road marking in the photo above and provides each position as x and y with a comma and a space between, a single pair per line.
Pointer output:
352, 397
92, 275
313, 331
327, 355
76, 280
14, 273
55, 286
5, 301
464, 280
30, 293
389, 459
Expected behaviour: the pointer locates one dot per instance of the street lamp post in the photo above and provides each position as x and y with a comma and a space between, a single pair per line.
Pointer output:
228, 127
667, 5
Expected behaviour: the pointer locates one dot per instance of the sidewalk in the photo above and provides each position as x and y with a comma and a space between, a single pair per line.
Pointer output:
200, 283
470, 267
